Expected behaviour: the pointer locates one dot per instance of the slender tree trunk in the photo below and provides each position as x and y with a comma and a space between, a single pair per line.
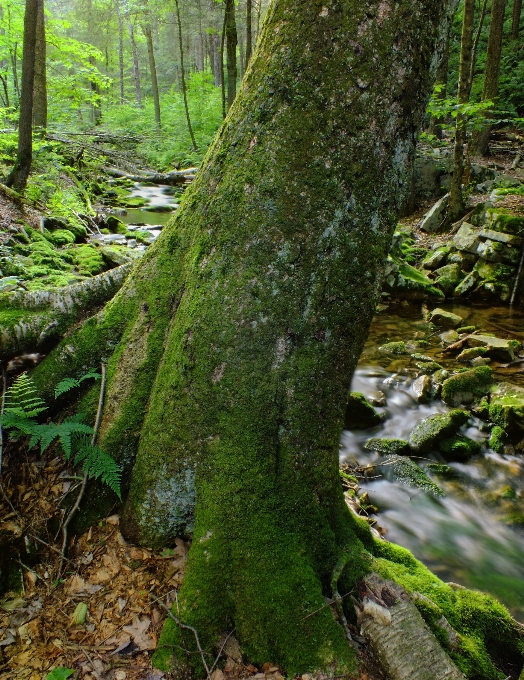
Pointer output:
241, 53
14, 67
231, 48
5, 87
215, 58
249, 30
40, 83
96, 109
515, 22
120, 49
476, 44
456, 202
183, 77
152, 69
222, 72
435, 127
134, 52
239, 332
18, 176
480, 139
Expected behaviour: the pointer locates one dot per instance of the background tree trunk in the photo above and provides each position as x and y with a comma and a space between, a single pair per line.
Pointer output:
435, 126
120, 49
152, 69
136, 67
40, 82
476, 44
231, 49
249, 31
480, 139
183, 77
239, 331
456, 201
515, 21
18, 176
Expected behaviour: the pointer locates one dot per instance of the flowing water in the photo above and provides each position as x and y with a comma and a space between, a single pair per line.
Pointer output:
159, 205
474, 535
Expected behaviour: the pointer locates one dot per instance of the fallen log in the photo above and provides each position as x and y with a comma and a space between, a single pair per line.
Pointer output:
398, 636
30, 320
170, 178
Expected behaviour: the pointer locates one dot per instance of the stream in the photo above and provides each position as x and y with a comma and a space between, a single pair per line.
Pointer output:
474, 535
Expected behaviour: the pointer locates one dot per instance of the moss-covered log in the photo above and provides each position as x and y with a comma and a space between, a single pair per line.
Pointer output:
234, 341
31, 320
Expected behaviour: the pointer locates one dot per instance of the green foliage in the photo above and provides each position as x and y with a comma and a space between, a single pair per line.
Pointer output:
476, 113
59, 673
23, 405
70, 383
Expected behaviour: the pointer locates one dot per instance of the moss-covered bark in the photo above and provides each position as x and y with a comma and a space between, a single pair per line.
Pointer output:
237, 335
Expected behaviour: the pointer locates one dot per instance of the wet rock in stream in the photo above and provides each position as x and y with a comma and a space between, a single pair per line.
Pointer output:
431, 431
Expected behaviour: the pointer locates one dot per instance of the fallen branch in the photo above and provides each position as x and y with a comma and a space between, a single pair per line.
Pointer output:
170, 178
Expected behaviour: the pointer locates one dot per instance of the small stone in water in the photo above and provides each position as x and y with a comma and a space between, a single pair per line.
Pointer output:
449, 337
422, 388
480, 361
394, 348
428, 367
444, 319
471, 353
466, 329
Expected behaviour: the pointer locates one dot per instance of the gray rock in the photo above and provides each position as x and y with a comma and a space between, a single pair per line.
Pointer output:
397, 447
444, 319
480, 361
466, 285
494, 251
464, 260
435, 259
449, 337
448, 277
422, 388
497, 348
434, 219
509, 239
467, 238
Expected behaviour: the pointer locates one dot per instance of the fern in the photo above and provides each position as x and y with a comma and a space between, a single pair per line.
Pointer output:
99, 465
70, 383
22, 399
23, 404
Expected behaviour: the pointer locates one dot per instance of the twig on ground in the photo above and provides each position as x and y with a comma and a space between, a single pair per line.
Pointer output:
187, 627
221, 650
84, 482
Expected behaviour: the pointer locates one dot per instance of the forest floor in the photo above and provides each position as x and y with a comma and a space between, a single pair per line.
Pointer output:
100, 612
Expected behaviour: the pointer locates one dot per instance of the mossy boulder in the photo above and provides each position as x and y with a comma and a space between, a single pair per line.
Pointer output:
506, 408
89, 260
115, 225
497, 348
497, 439
360, 414
494, 271
60, 237
448, 277
459, 448
394, 447
428, 367
467, 238
465, 387
406, 282
467, 285
434, 429
471, 353
499, 219
394, 348
494, 251
435, 258
444, 319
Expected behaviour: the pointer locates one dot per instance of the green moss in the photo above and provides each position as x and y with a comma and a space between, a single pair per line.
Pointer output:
466, 329
464, 387
89, 260
388, 446
459, 448
60, 237
504, 221
428, 367
394, 348
432, 430
497, 439
360, 414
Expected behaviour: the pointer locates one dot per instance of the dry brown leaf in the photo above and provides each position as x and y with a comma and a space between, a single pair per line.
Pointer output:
137, 630
78, 586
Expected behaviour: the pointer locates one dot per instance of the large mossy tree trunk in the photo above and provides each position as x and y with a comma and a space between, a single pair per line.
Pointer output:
233, 343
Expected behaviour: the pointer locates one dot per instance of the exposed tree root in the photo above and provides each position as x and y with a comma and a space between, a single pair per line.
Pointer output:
398, 635
30, 319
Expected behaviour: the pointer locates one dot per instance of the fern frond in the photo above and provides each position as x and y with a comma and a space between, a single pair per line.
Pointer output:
70, 383
22, 398
99, 465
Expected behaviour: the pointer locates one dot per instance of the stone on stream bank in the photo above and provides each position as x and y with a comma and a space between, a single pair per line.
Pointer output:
465, 387
434, 429
444, 319
506, 408
497, 348
394, 447
459, 448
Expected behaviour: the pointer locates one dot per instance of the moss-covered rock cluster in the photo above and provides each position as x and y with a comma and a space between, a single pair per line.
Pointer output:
479, 261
